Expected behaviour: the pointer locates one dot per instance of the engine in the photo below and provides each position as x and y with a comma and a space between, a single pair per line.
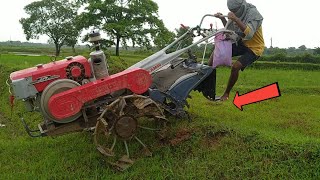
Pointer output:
62, 90
28, 84
36, 85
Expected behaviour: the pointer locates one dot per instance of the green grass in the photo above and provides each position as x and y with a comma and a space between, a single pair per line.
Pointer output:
275, 139
17, 62
41, 49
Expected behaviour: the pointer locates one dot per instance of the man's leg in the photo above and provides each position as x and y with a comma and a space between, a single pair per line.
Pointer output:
210, 62
236, 67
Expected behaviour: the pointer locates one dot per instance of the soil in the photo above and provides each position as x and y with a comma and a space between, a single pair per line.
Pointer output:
181, 136
214, 139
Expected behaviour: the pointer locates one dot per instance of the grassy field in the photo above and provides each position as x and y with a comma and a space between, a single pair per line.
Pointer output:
275, 139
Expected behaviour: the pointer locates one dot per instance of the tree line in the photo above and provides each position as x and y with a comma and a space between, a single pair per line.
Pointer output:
302, 54
134, 22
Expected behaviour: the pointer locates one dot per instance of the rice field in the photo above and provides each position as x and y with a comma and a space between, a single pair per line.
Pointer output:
274, 139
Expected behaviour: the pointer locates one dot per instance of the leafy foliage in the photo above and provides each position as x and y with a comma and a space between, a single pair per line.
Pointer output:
134, 21
73, 35
180, 32
317, 51
302, 47
303, 58
55, 19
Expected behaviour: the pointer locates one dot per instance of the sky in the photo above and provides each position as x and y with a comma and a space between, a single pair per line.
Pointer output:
288, 23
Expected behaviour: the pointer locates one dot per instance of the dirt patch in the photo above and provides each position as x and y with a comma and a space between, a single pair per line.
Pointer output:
302, 126
181, 136
213, 139
295, 123
297, 120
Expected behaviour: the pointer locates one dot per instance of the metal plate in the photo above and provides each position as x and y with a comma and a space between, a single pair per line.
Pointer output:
53, 88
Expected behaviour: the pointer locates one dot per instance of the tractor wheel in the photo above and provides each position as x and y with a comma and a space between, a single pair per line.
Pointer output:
126, 125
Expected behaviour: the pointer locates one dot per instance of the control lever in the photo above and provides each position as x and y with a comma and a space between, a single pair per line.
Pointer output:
191, 56
177, 64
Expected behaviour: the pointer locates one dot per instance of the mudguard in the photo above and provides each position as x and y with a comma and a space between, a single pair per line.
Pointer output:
174, 98
204, 82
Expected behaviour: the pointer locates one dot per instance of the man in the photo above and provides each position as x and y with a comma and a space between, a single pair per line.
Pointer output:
246, 22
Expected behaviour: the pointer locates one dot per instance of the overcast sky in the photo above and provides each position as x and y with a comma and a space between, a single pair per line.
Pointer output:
289, 23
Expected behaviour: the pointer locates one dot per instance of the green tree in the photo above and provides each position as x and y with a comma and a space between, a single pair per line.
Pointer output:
291, 50
277, 50
317, 51
73, 34
189, 40
163, 37
134, 21
55, 19
72, 39
303, 48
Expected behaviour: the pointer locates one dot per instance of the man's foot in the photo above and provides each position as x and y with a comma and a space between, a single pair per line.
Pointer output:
224, 97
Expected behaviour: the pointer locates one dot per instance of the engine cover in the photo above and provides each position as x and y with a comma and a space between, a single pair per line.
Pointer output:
28, 82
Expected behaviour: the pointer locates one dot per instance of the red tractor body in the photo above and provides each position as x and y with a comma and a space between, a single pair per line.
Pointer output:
39, 77
70, 102
61, 89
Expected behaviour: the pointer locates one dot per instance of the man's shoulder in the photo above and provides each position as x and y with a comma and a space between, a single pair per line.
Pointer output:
253, 12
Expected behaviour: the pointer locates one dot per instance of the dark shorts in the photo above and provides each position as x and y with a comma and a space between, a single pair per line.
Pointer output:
247, 56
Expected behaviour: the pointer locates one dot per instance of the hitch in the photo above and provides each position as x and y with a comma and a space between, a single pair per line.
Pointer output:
31, 133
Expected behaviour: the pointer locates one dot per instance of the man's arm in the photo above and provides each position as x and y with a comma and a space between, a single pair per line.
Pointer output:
240, 24
223, 19
248, 30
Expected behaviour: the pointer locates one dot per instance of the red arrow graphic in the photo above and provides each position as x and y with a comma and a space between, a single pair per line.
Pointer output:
258, 95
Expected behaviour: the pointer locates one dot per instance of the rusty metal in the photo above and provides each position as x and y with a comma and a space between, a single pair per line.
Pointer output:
125, 127
123, 163
123, 121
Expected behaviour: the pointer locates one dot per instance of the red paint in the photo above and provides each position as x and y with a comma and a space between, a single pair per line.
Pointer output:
11, 101
70, 102
258, 95
75, 71
183, 26
57, 68
154, 67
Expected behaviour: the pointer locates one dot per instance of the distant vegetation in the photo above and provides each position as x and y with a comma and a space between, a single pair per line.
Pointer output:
125, 22
292, 54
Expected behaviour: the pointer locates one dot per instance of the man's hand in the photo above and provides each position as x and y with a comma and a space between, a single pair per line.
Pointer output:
231, 36
235, 19
232, 17
218, 15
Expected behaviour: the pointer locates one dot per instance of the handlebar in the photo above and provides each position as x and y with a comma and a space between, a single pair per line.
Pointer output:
207, 16
198, 28
206, 33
